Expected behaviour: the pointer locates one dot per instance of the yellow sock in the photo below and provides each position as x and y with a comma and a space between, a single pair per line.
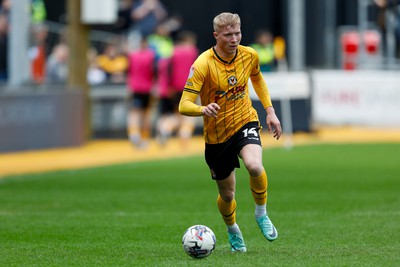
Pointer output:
227, 210
258, 187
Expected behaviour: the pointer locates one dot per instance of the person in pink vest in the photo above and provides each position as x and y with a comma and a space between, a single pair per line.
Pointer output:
140, 81
183, 55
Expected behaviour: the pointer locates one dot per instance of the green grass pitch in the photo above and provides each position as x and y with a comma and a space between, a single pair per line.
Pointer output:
333, 205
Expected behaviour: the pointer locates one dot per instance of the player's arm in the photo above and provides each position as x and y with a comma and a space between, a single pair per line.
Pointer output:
261, 89
188, 107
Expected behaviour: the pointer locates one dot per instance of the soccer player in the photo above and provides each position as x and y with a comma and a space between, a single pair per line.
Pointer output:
231, 126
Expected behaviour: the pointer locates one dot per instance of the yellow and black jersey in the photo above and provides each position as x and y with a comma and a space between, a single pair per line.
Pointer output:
226, 83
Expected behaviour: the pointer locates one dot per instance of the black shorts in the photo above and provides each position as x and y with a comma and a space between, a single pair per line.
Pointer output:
176, 98
166, 106
140, 100
169, 105
223, 158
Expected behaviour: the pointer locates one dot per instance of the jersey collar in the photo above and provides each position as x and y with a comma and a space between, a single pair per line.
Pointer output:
224, 61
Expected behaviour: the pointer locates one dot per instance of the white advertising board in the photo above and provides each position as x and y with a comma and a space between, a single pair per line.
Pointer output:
370, 98
99, 12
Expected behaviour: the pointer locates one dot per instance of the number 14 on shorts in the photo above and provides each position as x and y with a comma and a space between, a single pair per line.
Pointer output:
250, 133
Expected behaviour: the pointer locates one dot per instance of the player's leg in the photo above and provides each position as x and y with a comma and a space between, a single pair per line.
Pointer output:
186, 129
133, 120
252, 158
226, 199
167, 121
227, 207
146, 123
185, 124
146, 120
222, 161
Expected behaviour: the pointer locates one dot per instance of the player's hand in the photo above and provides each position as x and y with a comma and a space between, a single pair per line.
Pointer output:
273, 124
211, 110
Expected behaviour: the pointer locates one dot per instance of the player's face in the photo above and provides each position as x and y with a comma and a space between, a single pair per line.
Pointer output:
228, 39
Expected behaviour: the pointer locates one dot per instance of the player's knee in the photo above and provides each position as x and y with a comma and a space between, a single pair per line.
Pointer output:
254, 167
228, 196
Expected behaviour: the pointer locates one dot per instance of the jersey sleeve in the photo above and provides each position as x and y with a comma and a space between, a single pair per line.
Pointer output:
194, 83
259, 84
187, 104
256, 62
196, 76
261, 88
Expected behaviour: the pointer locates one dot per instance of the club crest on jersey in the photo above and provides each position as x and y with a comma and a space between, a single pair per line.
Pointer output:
232, 80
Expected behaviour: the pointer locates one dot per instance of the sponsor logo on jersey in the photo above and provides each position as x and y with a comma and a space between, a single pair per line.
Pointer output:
235, 93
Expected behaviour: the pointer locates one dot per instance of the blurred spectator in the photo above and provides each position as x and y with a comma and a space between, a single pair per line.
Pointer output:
57, 66
38, 11
163, 46
140, 82
184, 54
3, 47
161, 41
174, 25
37, 54
280, 53
394, 7
95, 74
147, 14
5, 7
124, 20
114, 63
265, 49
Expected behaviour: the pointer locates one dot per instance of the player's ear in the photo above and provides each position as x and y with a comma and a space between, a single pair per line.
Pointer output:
215, 34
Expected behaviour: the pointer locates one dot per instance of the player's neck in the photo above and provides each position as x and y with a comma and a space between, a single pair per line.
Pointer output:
225, 56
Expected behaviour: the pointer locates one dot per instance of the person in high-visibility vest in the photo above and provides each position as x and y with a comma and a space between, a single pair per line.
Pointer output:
265, 49
39, 13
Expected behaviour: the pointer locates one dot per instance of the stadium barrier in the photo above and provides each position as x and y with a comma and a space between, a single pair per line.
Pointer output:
41, 119
362, 98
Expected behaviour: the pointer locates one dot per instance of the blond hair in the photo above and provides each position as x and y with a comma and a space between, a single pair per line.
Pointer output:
226, 19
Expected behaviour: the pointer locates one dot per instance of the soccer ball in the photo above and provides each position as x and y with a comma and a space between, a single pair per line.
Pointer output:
198, 241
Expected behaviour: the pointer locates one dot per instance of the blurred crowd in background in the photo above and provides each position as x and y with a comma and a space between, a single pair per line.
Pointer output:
108, 56
109, 52
148, 50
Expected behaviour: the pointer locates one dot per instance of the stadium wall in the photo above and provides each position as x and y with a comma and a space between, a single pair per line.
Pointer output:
36, 120
365, 98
